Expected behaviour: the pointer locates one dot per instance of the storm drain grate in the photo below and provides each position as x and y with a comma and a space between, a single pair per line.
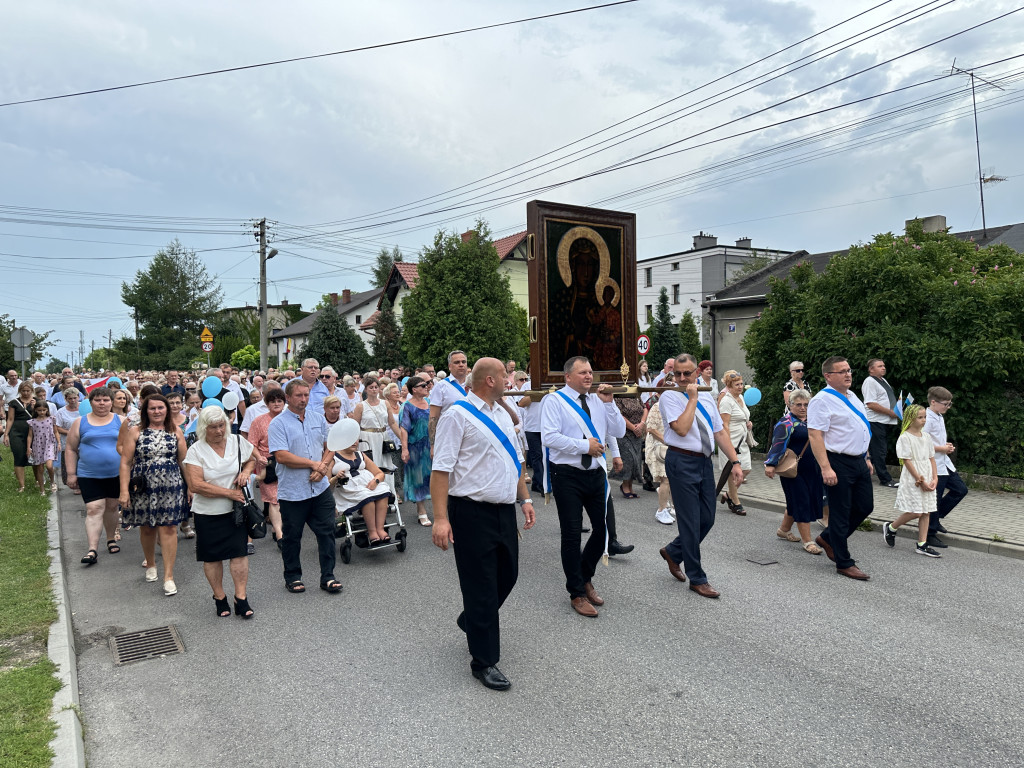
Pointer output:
130, 647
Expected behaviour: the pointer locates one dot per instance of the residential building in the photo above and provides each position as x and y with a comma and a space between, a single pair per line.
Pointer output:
354, 307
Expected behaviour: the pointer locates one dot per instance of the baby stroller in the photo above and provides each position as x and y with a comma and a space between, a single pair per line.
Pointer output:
351, 529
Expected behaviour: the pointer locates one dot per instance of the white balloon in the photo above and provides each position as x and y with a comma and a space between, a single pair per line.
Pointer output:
342, 435
230, 401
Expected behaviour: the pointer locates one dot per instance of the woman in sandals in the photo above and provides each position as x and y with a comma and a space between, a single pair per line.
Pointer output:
736, 420
217, 466
805, 491
93, 466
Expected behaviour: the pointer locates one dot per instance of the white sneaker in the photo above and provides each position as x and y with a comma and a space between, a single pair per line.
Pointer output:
170, 588
663, 516
151, 574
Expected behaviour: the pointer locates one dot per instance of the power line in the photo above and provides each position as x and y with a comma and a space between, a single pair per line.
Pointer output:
315, 56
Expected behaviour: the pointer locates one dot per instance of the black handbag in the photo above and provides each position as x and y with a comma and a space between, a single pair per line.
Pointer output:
137, 485
246, 512
270, 473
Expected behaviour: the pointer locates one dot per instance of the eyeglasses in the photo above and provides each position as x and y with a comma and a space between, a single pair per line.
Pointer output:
686, 373
840, 373
326, 376
797, 370
947, 403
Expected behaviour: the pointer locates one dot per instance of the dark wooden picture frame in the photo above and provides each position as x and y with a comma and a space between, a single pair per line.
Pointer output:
582, 281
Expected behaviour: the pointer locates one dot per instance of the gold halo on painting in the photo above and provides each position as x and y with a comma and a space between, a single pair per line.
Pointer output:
604, 279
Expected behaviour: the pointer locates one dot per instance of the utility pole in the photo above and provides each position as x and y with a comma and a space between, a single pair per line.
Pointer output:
81, 348
264, 256
977, 140
138, 354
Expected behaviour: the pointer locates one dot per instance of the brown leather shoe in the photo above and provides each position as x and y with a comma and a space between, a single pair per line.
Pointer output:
853, 572
592, 595
828, 549
673, 566
705, 590
583, 607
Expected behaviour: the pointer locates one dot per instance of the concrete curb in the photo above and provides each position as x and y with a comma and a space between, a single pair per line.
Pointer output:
68, 744
1001, 548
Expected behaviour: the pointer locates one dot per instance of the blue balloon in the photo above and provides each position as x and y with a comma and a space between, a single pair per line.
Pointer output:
84, 407
212, 401
212, 386
752, 397
113, 380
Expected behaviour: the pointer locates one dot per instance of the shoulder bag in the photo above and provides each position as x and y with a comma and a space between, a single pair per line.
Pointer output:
246, 512
789, 462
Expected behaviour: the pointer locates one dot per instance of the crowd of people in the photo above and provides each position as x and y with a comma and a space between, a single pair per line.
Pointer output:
181, 452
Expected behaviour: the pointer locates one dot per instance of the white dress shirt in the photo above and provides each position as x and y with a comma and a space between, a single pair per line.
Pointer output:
873, 392
844, 431
478, 469
562, 435
444, 394
672, 406
251, 413
935, 428
530, 415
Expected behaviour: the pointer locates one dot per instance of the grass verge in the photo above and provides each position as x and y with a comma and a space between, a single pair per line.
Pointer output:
27, 610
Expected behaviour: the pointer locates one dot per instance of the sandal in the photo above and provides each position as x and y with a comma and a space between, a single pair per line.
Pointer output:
737, 509
373, 543
787, 535
113, 547
812, 549
295, 586
385, 540
424, 521
90, 557
53, 487
630, 495
242, 608
223, 609
333, 586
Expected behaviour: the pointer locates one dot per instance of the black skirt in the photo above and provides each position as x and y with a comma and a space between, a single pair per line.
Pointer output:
218, 538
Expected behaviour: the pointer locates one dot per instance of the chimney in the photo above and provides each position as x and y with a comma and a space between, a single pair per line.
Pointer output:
346, 296
334, 299
743, 242
704, 240
929, 223
468, 235
284, 302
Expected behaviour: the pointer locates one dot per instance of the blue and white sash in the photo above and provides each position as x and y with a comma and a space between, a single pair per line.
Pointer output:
851, 406
492, 432
461, 390
707, 419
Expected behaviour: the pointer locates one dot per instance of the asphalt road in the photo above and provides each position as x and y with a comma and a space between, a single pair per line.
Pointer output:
793, 666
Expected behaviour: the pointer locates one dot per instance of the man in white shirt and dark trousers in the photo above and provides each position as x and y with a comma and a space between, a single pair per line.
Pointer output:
569, 420
839, 435
476, 479
880, 400
951, 489
692, 425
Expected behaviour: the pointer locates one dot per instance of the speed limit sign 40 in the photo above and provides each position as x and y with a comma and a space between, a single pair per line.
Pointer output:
643, 344
207, 346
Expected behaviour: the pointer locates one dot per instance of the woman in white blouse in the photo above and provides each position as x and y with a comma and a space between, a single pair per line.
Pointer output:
736, 420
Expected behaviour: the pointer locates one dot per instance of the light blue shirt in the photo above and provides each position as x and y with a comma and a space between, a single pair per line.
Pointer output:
317, 394
306, 438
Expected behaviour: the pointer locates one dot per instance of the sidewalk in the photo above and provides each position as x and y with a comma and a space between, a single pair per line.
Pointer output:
974, 523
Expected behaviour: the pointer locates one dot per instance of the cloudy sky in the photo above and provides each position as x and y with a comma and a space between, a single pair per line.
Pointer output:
734, 118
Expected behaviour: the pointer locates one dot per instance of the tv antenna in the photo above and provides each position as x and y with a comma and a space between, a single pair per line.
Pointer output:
982, 180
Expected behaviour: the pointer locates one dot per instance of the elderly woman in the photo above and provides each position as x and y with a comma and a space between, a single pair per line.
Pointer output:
392, 395
217, 467
153, 493
19, 413
351, 393
796, 382
706, 377
94, 466
259, 437
736, 421
655, 449
66, 416
803, 492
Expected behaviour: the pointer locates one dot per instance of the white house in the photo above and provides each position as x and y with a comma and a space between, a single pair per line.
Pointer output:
355, 308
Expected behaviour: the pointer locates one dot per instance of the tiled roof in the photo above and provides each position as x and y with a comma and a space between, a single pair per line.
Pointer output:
408, 271
303, 326
369, 322
506, 245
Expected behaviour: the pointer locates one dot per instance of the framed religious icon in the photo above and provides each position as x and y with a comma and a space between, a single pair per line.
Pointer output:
582, 282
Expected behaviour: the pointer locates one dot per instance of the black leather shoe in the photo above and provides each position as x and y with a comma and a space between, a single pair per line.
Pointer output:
492, 678
615, 548
942, 528
935, 541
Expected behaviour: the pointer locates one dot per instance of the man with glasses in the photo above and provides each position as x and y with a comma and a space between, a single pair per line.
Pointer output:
950, 490
310, 372
692, 426
449, 390
840, 433
880, 400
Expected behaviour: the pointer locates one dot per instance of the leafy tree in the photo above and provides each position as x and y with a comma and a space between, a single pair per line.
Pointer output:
246, 357
56, 366
332, 341
938, 310
664, 339
36, 348
171, 300
461, 301
99, 358
689, 337
382, 269
387, 338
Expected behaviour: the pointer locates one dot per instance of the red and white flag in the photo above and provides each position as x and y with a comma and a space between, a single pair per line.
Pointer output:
97, 384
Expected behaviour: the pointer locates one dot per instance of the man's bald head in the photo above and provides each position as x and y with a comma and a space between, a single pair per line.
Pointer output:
487, 366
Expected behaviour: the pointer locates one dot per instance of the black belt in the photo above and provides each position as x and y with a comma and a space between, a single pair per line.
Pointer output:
571, 468
685, 452
847, 455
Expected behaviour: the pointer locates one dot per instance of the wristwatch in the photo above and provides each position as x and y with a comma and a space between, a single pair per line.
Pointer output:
734, 461
525, 501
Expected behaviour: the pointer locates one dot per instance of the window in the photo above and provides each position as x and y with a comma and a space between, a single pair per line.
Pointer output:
648, 277
359, 319
650, 313
675, 294
675, 266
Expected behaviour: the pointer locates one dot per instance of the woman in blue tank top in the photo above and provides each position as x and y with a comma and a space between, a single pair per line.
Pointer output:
93, 465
